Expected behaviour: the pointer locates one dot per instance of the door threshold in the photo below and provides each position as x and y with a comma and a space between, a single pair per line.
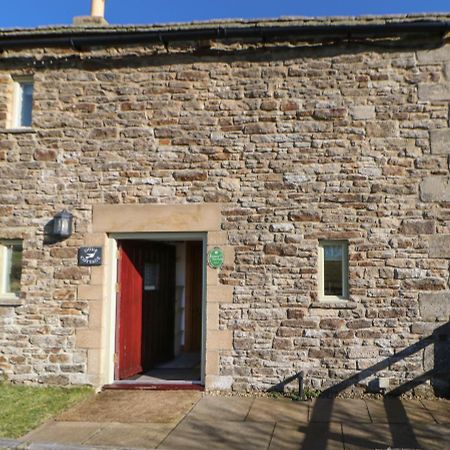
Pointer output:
174, 386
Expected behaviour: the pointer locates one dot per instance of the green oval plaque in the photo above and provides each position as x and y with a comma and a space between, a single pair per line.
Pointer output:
215, 258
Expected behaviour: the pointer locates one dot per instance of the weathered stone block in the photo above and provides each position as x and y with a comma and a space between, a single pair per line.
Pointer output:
439, 246
362, 112
359, 323
63, 252
382, 129
103, 133
329, 113
366, 333
434, 56
289, 332
363, 352
280, 343
435, 189
70, 273
434, 92
295, 313
163, 191
280, 249
295, 179
216, 197
440, 141
44, 155
219, 383
321, 353
230, 184
424, 328
434, 306
58, 380
413, 227
331, 324
302, 324
281, 227
260, 128
304, 216
190, 175
425, 284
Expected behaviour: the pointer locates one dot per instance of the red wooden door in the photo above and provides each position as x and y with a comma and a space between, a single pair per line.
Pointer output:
129, 311
146, 306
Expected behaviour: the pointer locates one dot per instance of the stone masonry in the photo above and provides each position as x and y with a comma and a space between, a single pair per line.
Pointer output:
297, 140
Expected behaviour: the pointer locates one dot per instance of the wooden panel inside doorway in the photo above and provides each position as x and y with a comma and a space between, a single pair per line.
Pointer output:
193, 311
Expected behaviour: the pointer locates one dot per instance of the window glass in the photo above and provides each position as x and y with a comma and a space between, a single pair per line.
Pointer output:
151, 276
27, 103
11, 267
332, 268
23, 103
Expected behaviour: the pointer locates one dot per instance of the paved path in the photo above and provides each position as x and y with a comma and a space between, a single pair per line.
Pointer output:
190, 420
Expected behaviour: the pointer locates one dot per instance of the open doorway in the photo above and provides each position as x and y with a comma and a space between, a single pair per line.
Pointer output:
159, 312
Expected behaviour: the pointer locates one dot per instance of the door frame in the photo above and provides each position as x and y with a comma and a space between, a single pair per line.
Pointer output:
111, 325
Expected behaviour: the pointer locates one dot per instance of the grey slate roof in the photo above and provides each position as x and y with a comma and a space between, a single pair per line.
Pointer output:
226, 23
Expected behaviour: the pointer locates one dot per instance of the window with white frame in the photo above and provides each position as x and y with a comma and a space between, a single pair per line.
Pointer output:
10, 268
333, 270
22, 103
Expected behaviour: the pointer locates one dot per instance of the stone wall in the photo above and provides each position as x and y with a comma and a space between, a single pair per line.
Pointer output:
296, 143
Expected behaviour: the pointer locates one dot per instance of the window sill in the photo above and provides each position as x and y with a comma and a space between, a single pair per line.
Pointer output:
23, 130
11, 301
328, 303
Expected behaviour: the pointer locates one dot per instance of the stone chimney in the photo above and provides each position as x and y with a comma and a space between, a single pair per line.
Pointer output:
97, 17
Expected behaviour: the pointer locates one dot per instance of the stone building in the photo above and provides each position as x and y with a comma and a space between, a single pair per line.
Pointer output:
250, 199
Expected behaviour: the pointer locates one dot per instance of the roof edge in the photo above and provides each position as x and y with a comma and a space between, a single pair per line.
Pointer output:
268, 28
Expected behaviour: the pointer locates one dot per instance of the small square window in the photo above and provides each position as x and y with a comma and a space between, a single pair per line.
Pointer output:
151, 276
333, 270
22, 103
10, 268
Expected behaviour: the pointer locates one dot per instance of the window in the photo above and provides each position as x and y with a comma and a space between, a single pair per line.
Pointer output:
333, 264
22, 103
151, 276
10, 268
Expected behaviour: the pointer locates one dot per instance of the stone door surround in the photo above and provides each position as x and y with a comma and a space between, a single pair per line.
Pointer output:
109, 219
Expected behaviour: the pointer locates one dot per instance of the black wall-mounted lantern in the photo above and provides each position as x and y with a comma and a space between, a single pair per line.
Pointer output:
62, 224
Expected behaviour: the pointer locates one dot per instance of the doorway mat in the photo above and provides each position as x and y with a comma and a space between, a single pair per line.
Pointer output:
155, 386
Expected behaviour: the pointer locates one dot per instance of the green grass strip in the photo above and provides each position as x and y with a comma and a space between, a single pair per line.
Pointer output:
23, 408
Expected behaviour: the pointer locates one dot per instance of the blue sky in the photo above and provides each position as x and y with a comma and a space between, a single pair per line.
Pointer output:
30, 13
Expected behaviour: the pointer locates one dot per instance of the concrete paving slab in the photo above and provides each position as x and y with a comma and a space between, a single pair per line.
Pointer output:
10, 443
188, 420
364, 435
313, 436
338, 410
134, 407
221, 408
215, 435
278, 410
381, 435
400, 411
437, 405
63, 432
47, 446
441, 418
142, 435
433, 437
439, 409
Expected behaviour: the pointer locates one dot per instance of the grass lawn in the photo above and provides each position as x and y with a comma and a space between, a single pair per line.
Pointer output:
23, 408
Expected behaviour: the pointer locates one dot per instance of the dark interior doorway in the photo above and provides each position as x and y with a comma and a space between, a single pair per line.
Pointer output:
159, 312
